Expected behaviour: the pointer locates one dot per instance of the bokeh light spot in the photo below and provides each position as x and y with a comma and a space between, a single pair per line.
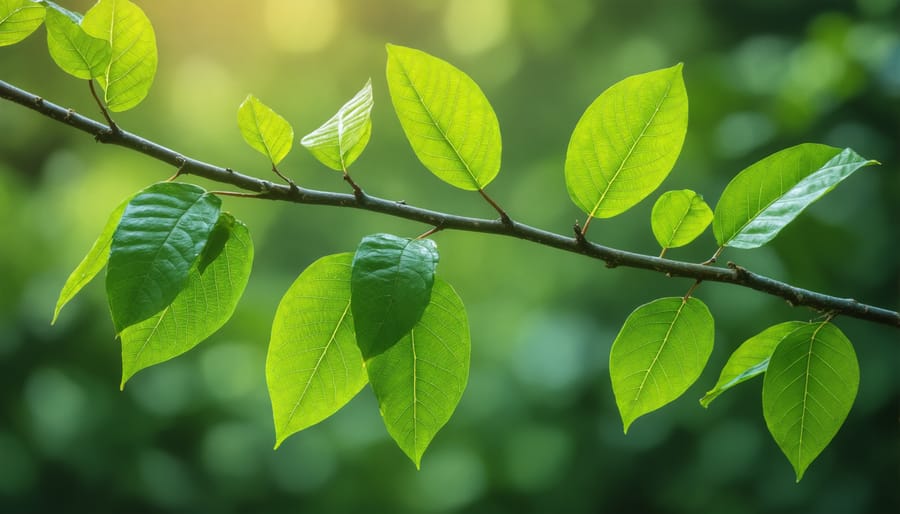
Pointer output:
473, 26
301, 26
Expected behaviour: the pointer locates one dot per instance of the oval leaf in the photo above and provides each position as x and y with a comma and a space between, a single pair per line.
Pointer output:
339, 141
627, 142
264, 130
448, 121
161, 234
420, 380
660, 351
764, 198
74, 51
679, 217
808, 391
18, 19
314, 366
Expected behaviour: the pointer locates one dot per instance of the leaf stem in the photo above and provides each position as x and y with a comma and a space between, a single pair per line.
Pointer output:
712, 260
357, 191
691, 290
503, 216
289, 182
113, 128
436, 228
663, 252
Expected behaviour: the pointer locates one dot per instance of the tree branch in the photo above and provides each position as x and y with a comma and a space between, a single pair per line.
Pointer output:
734, 274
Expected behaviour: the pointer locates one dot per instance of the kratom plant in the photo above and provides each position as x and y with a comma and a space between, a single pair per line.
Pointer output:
177, 264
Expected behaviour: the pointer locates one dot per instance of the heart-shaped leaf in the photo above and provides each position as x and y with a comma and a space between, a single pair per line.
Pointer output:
18, 19
264, 130
679, 217
339, 141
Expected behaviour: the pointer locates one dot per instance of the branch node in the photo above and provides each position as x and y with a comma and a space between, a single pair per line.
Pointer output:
739, 271
579, 234
357, 191
400, 202
504, 218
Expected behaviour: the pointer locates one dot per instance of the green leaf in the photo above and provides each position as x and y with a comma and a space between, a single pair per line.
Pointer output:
660, 351
132, 65
750, 359
340, 140
18, 19
808, 391
162, 233
201, 308
420, 380
679, 217
264, 130
73, 50
764, 198
314, 366
627, 142
448, 121
391, 284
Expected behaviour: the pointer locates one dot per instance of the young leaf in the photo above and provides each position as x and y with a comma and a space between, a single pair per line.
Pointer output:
18, 19
339, 141
448, 121
420, 380
679, 217
660, 351
201, 308
750, 359
132, 65
314, 366
764, 198
73, 50
627, 142
808, 390
264, 130
161, 234
391, 284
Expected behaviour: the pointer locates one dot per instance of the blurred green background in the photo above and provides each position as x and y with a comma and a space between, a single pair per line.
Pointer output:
537, 430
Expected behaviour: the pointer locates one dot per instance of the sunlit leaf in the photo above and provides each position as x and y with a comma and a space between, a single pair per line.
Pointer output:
264, 130
339, 141
73, 50
679, 217
18, 19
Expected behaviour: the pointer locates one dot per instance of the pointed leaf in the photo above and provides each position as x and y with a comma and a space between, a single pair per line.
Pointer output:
808, 391
339, 141
73, 50
627, 142
679, 217
660, 351
448, 121
18, 19
264, 130
764, 198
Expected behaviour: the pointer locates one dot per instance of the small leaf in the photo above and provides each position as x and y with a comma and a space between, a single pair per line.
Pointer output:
660, 351
448, 121
18, 19
750, 359
339, 141
200, 309
764, 198
627, 142
264, 130
132, 65
162, 233
391, 284
73, 50
314, 366
420, 380
679, 217
808, 391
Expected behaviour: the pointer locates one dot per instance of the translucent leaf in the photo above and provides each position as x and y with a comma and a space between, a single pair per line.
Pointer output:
627, 142
264, 130
764, 198
314, 366
448, 121
679, 217
660, 351
18, 19
339, 141
73, 50
420, 380
200, 309
808, 391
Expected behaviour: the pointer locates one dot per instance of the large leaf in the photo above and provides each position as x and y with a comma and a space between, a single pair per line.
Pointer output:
314, 366
750, 359
18, 19
420, 380
264, 130
161, 234
660, 351
202, 307
764, 198
341, 139
391, 285
808, 391
448, 121
627, 142
132, 65
679, 217
74, 50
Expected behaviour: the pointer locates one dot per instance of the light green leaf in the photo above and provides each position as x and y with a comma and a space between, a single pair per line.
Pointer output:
750, 359
420, 380
339, 141
314, 366
764, 198
448, 121
161, 234
73, 50
264, 130
627, 142
201, 308
18, 19
808, 391
391, 284
132, 65
679, 217
660, 351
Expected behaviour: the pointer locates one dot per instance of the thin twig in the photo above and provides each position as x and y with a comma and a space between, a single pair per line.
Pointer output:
357, 191
112, 125
503, 216
437, 228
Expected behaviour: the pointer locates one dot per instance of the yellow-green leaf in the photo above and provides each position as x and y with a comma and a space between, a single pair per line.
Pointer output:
74, 50
18, 19
341, 139
264, 130
679, 217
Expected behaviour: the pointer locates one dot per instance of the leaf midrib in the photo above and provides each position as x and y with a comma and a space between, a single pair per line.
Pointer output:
665, 340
